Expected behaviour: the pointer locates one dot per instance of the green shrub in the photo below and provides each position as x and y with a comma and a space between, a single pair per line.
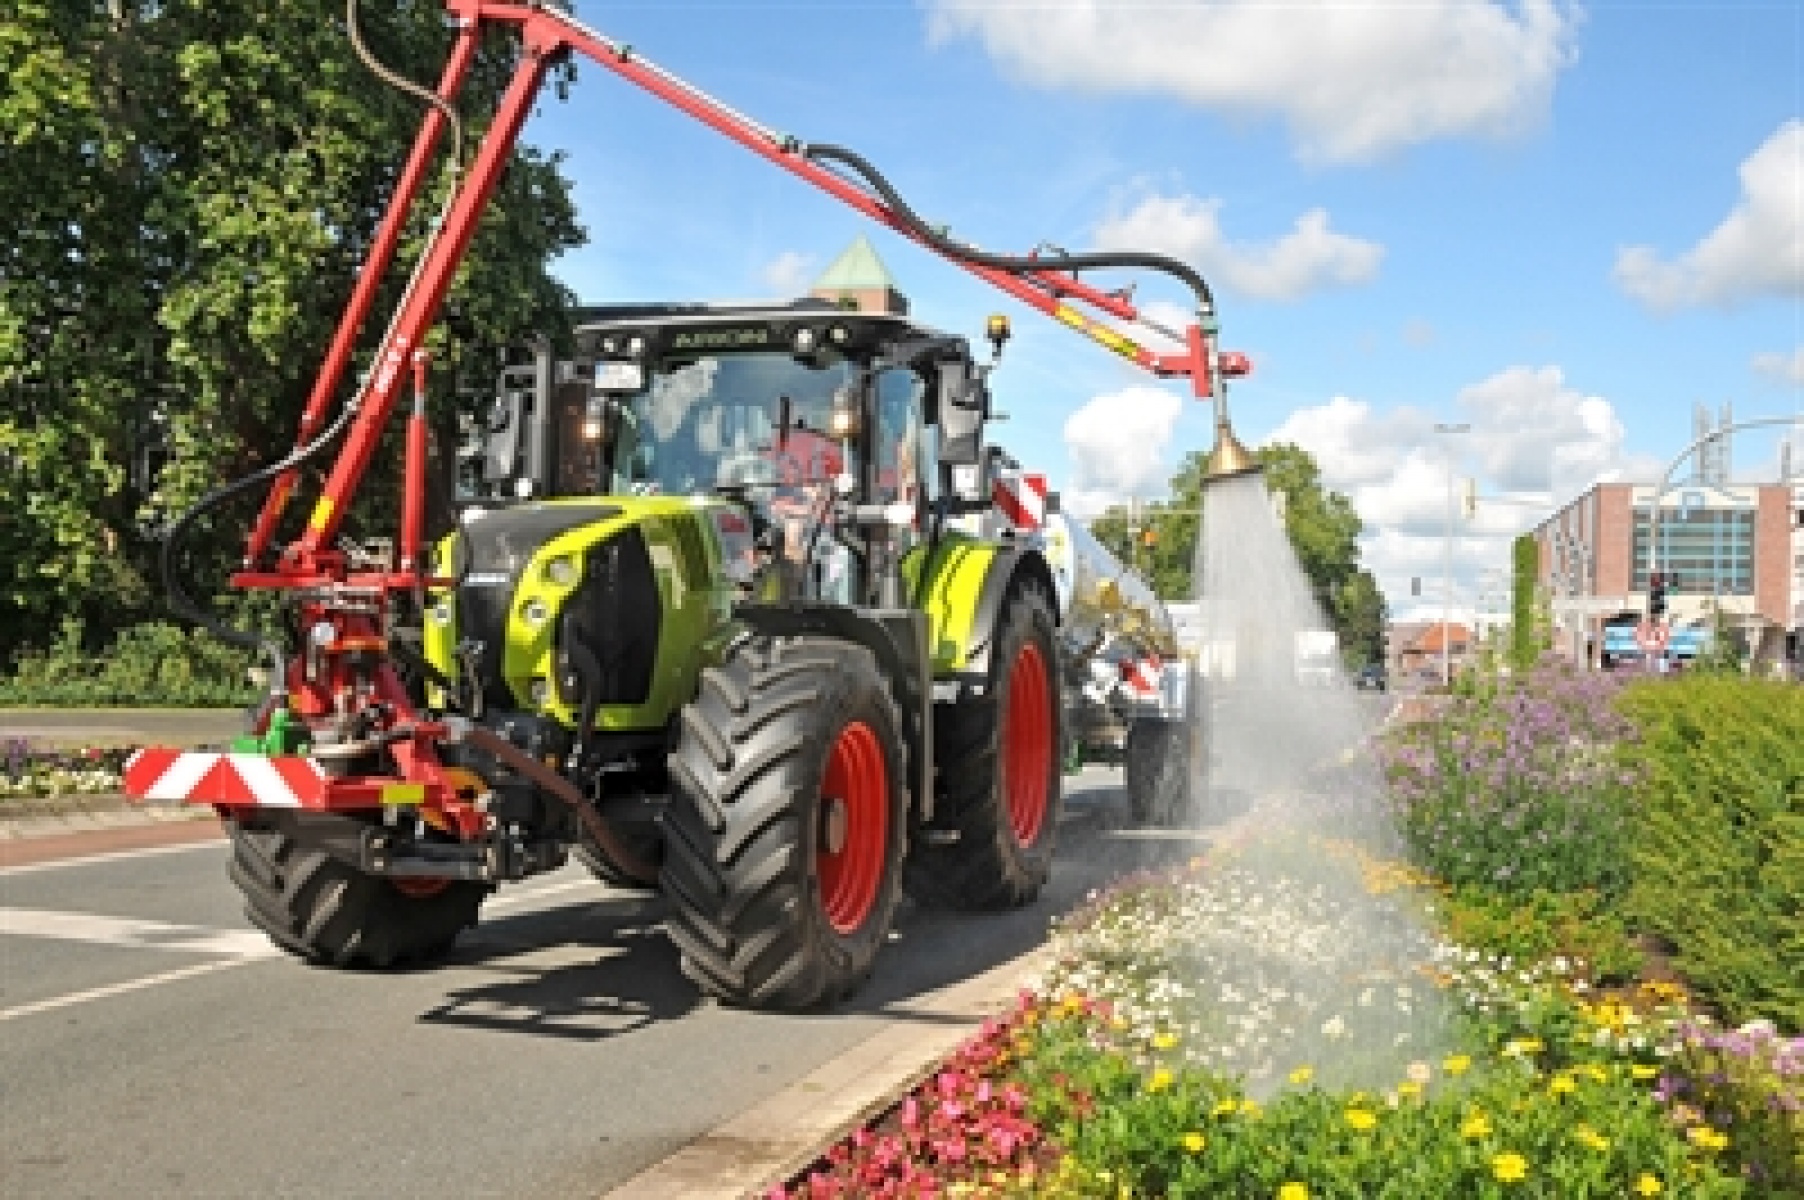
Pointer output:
155, 665
1718, 846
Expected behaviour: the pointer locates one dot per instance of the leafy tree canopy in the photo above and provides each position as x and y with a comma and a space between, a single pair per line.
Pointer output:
190, 187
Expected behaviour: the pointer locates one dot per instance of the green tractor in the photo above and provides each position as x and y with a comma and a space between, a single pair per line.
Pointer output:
715, 591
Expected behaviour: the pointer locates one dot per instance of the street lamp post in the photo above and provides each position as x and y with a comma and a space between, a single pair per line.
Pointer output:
1447, 564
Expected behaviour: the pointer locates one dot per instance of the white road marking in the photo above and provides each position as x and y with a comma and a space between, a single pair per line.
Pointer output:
510, 899
130, 985
134, 933
88, 860
237, 946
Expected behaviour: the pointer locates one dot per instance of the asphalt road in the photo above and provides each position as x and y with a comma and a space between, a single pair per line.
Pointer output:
151, 1044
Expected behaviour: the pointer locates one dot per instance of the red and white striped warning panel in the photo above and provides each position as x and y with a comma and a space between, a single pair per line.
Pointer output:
1021, 498
246, 780
1141, 675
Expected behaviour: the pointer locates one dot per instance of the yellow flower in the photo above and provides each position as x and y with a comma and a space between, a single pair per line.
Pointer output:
1595, 1071
1164, 1041
1521, 1046
1194, 1142
1409, 1087
1706, 1137
1560, 1084
1509, 1168
1643, 1071
1302, 1075
1475, 1126
1456, 1064
1361, 1119
1225, 1108
1591, 1138
1161, 1079
1647, 1185
1293, 1191
1250, 1107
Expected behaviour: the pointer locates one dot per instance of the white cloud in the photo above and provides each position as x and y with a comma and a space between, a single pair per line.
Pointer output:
1308, 258
791, 273
1115, 443
1352, 81
1786, 368
1758, 250
1534, 442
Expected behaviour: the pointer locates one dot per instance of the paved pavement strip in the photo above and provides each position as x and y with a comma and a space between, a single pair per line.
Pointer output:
781, 1137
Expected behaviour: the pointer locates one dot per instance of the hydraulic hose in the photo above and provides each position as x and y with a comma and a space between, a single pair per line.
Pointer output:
1012, 263
181, 602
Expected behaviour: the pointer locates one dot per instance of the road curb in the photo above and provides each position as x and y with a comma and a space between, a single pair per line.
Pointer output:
52, 816
781, 1136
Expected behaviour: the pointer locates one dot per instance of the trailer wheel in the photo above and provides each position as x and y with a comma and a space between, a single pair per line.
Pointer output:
787, 822
998, 776
326, 911
1157, 772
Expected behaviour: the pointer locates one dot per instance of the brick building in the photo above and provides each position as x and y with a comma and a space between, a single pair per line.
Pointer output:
1737, 549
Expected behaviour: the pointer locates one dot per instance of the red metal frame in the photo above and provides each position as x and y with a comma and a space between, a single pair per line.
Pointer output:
349, 670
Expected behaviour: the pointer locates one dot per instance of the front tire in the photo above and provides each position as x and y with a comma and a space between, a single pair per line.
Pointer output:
787, 823
328, 912
999, 776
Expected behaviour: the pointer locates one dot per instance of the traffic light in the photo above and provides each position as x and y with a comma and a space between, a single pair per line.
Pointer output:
1656, 595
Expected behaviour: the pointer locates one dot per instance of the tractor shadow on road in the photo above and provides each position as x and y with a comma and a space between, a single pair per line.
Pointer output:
584, 971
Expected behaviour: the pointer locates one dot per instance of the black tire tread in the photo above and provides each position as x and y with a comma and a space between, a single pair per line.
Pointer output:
738, 832
986, 868
325, 911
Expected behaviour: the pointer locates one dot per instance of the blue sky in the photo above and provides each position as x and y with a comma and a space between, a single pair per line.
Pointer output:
1564, 225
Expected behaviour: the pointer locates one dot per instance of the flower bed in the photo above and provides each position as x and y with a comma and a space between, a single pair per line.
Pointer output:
1297, 1017
32, 772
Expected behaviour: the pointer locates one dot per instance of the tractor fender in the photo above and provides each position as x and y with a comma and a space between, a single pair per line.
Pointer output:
962, 592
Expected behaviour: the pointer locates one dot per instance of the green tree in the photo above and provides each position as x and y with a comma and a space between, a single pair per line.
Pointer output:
191, 186
1321, 525
1531, 630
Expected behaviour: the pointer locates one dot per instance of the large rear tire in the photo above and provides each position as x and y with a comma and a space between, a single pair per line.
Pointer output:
999, 775
787, 823
326, 911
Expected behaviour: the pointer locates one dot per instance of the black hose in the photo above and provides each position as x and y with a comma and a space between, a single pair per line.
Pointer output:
1012, 263
180, 601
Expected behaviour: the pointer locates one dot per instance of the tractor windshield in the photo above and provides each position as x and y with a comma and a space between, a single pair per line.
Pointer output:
732, 420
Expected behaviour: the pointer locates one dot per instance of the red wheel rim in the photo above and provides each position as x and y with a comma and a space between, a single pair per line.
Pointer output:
418, 887
850, 874
1027, 744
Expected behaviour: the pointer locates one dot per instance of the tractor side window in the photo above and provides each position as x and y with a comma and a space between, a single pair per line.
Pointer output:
901, 444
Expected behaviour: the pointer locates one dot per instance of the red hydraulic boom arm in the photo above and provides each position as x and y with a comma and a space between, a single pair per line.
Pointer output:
340, 682
546, 35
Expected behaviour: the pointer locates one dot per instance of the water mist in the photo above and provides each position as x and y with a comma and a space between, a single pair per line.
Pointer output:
1283, 782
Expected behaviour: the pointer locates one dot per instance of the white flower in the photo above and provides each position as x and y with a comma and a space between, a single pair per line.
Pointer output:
1334, 1028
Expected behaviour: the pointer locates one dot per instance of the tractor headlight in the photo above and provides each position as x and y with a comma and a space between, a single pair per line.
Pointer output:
804, 339
563, 570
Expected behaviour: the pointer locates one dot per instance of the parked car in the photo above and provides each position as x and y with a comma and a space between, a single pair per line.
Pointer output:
1370, 678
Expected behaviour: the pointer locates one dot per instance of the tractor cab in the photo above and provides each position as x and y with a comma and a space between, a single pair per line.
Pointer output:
829, 428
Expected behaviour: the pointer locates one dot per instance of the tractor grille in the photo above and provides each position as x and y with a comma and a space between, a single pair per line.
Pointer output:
499, 546
607, 635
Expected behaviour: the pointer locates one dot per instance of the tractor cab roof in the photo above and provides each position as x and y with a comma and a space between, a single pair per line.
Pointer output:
799, 326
